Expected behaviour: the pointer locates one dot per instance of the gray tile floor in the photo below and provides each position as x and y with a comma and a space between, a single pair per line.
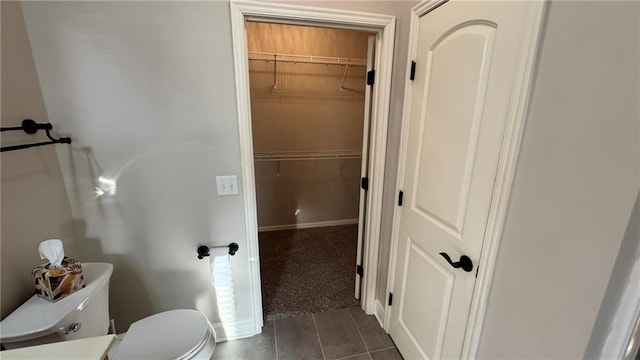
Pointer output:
346, 334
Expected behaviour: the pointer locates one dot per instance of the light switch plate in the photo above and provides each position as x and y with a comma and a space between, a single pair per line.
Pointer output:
227, 185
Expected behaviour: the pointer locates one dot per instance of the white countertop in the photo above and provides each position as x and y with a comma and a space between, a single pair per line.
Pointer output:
94, 348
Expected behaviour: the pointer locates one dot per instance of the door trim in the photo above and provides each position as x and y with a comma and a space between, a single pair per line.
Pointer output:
384, 27
506, 167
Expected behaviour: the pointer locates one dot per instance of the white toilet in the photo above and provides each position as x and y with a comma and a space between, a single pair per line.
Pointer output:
176, 334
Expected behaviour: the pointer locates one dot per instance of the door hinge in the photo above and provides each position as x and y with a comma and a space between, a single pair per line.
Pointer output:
400, 197
412, 75
364, 183
371, 77
390, 299
477, 269
360, 270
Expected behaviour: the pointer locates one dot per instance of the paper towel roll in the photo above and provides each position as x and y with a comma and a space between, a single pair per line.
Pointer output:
53, 251
222, 279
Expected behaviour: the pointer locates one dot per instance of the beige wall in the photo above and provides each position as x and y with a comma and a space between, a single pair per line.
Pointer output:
306, 40
577, 178
34, 204
306, 111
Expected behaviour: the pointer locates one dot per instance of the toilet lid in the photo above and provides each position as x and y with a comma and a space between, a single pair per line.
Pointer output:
167, 335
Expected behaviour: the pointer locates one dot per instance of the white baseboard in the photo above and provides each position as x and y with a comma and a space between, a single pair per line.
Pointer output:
308, 225
235, 330
379, 313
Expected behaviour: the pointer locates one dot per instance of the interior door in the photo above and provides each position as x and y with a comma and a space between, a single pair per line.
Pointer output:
466, 61
364, 167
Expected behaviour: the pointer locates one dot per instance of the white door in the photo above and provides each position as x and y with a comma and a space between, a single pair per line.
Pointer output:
364, 169
466, 61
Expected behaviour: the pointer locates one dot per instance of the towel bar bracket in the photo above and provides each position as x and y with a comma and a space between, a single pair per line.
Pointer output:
31, 127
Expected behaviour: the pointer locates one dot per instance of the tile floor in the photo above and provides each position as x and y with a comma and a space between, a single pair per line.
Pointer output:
346, 334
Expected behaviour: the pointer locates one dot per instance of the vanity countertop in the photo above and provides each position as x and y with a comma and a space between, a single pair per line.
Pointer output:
94, 348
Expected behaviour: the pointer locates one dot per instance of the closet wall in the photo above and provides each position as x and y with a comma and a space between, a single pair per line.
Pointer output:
309, 108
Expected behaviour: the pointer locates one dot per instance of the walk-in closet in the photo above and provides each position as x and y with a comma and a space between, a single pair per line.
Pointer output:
307, 88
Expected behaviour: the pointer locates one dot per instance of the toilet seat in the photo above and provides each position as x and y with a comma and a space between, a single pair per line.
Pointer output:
175, 335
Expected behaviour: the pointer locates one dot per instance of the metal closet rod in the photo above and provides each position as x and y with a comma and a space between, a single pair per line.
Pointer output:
307, 155
31, 127
306, 59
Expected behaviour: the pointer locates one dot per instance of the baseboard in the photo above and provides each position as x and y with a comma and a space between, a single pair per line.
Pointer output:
379, 313
235, 330
308, 225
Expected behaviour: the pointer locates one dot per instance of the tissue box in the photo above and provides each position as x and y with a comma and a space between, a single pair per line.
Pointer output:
54, 284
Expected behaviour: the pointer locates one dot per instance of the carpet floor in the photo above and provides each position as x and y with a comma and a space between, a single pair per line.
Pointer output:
307, 270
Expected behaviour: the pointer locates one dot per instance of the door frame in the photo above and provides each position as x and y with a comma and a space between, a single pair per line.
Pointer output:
514, 131
384, 27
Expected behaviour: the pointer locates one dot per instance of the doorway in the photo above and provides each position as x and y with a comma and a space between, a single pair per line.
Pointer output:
310, 115
383, 26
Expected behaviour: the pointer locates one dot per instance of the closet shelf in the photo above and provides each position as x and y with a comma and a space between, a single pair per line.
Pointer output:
325, 60
307, 155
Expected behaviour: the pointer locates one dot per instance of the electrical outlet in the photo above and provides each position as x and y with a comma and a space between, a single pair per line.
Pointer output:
227, 185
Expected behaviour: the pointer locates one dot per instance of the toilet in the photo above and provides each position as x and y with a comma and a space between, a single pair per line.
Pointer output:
176, 334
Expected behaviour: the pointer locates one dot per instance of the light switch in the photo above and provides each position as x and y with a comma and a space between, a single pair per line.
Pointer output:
227, 185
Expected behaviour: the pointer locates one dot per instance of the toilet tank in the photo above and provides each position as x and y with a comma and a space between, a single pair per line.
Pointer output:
82, 314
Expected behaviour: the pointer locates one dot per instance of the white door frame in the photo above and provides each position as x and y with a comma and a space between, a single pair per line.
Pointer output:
506, 167
384, 27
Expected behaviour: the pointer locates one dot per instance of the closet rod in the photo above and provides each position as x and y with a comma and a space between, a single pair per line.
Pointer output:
325, 60
307, 155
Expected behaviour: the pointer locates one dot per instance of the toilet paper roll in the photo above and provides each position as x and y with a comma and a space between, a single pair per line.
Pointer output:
222, 279
220, 266
53, 251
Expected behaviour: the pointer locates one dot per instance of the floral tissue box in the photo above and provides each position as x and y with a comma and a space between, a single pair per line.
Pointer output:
55, 283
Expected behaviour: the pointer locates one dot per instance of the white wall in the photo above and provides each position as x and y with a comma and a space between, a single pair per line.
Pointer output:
146, 89
34, 202
577, 178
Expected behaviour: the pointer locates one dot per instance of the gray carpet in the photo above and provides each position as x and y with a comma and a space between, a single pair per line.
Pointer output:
307, 270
